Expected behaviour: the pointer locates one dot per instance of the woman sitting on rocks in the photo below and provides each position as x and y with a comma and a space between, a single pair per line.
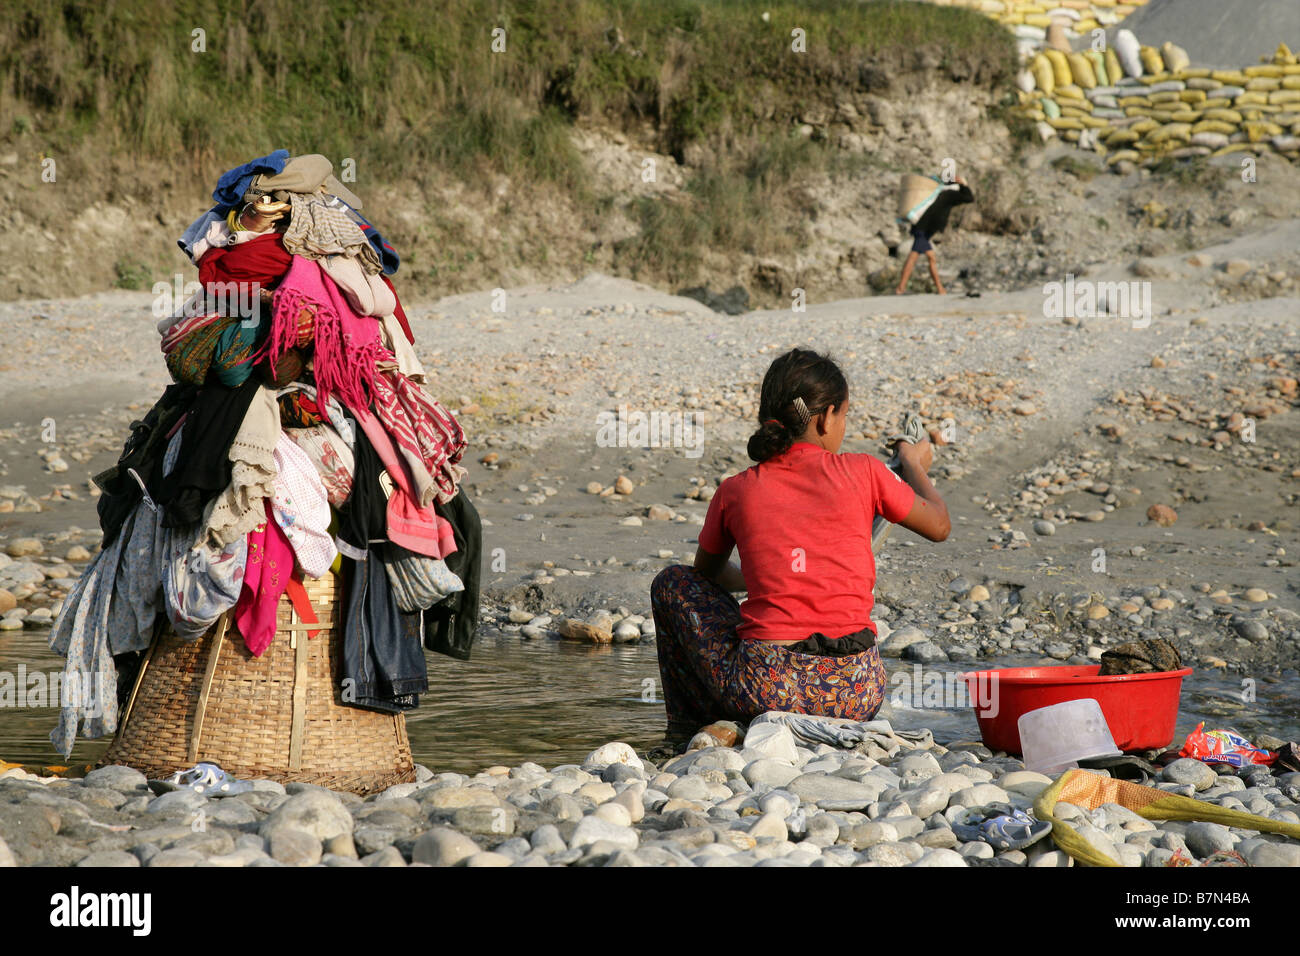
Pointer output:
801, 518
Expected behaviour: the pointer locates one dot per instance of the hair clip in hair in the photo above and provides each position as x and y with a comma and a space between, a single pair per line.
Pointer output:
805, 416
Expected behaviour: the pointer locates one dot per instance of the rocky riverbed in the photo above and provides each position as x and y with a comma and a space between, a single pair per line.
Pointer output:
769, 800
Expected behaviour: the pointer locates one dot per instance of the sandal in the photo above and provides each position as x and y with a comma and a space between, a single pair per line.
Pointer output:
1000, 825
205, 778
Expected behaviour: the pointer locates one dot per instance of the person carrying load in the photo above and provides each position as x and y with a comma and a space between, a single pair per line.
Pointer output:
926, 206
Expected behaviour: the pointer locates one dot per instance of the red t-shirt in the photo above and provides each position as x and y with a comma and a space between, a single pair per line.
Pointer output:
802, 524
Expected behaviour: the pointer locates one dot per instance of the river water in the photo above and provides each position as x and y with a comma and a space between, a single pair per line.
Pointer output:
553, 702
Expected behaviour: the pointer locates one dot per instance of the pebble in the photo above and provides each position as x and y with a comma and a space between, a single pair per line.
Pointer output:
1188, 770
23, 547
1044, 527
442, 846
1204, 839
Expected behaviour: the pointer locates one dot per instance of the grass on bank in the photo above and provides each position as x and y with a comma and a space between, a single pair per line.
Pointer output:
409, 92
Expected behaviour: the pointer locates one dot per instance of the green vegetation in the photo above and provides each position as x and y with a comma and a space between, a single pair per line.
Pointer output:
131, 274
415, 93
1079, 168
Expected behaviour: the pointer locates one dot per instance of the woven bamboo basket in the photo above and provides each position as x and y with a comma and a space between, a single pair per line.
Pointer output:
278, 716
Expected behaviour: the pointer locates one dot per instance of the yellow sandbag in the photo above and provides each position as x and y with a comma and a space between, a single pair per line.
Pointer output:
1065, 122
1124, 101
1192, 96
1213, 126
1162, 116
1044, 76
1060, 67
1143, 126
1114, 72
1291, 69
1250, 97
1264, 83
1070, 90
1197, 72
1291, 82
1035, 114
1132, 155
1170, 131
1151, 59
1098, 63
1070, 135
1166, 96
1080, 68
1217, 103
1070, 110
1037, 20
1234, 148
1283, 55
1278, 97
1223, 116
1185, 116
1175, 57
1260, 131
1122, 137
1089, 791
1266, 69
1095, 122
1231, 77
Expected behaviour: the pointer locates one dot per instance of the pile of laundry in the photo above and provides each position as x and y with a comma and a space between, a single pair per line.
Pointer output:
296, 439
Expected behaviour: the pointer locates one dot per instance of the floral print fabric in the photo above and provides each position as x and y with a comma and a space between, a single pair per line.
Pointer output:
709, 674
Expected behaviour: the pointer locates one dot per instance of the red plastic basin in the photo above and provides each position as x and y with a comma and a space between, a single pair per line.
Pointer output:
1140, 709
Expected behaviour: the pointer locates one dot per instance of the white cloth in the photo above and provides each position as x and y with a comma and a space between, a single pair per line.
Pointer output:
301, 507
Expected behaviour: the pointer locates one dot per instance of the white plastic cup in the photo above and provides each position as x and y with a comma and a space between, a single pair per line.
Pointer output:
1055, 738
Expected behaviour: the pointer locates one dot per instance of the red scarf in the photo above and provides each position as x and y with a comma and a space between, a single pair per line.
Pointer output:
262, 260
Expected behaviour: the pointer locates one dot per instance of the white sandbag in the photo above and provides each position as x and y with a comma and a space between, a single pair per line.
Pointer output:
1025, 81
1126, 48
1024, 31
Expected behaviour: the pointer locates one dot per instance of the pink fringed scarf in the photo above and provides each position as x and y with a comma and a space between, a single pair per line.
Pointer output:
347, 345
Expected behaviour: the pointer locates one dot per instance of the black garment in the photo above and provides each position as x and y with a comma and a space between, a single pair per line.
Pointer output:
142, 453
364, 516
935, 219
203, 467
450, 625
846, 646
383, 657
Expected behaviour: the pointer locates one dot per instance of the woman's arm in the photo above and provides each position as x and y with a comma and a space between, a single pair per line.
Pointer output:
929, 514
716, 568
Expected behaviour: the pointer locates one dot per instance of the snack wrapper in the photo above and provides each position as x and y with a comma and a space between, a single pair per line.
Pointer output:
1223, 746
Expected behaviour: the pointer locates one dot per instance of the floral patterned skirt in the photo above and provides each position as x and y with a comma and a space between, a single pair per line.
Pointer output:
710, 674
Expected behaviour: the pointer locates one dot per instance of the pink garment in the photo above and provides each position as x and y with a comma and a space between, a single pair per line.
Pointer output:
347, 345
416, 528
270, 564
425, 433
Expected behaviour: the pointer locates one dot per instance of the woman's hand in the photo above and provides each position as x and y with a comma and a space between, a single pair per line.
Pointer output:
919, 455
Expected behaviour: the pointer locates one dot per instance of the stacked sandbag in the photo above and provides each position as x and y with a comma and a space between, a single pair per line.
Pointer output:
1137, 104
1057, 24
